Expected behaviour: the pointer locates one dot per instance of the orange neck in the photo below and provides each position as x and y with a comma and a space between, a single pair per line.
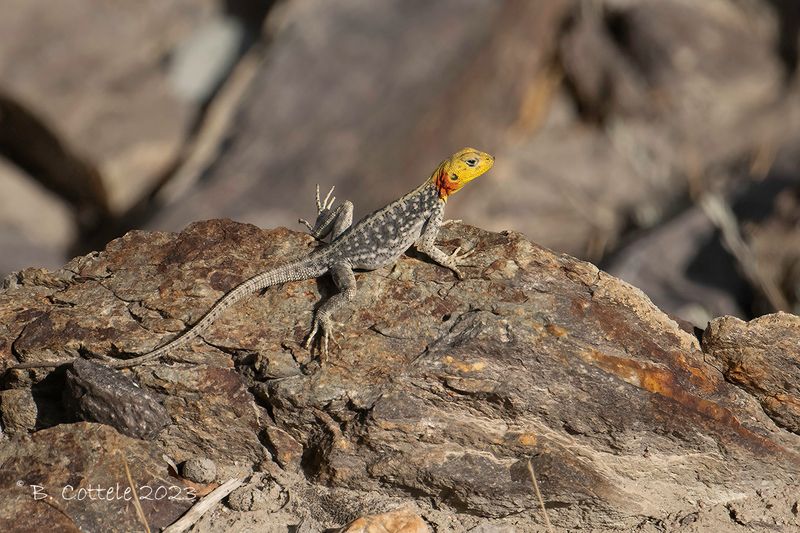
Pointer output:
443, 184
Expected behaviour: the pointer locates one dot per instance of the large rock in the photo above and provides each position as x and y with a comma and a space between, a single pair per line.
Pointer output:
441, 390
763, 357
103, 85
75, 477
87, 109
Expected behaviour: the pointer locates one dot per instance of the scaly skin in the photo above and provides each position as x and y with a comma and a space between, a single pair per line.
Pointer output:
377, 240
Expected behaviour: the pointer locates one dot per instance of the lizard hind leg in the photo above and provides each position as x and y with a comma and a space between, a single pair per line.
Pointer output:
345, 281
329, 219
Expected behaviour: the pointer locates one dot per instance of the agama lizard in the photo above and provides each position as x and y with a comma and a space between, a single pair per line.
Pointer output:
377, 240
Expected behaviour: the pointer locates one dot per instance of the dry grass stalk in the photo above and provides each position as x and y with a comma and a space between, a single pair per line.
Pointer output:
539, 497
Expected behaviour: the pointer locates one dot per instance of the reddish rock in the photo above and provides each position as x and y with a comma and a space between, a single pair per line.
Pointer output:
441, 390
400, 521
73, 477
763, 357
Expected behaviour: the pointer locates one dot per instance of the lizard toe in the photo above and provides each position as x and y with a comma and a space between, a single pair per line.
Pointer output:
311, 334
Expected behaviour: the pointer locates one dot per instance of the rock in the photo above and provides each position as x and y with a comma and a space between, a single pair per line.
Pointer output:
440, 393
248, 498
98, 393
74, 477
400, 521
18, 409
101, 125
287, 451
104, 90
763, 357
199, 469
51, 197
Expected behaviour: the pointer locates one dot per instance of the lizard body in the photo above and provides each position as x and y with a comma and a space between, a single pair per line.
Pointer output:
377, 240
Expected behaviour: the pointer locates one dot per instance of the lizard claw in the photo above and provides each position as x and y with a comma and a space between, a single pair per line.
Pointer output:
323, 212
452, 221
456, 256
325, 329
328, 202
456, 259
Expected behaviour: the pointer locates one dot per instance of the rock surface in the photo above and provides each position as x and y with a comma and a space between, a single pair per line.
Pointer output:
607, 118
73, 477
439, 395
97, 393
103, 87
400, 521
763, 357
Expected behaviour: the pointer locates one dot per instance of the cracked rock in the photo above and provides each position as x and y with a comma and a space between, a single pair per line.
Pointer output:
763, 357
18, 410
624, 417
98, 393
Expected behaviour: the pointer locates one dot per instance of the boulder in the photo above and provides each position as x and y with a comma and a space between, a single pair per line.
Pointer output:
439, 394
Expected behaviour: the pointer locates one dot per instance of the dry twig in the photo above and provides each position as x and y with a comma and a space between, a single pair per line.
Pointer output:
722, 216
136, 503
201, 507
539, 497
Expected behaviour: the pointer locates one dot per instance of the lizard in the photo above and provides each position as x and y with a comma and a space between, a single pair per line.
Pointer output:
377, 240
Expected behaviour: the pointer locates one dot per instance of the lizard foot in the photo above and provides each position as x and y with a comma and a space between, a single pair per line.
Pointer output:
324, 214
455, 260
324, 327
323, 206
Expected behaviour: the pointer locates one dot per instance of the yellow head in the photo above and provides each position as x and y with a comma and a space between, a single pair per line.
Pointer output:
459, 169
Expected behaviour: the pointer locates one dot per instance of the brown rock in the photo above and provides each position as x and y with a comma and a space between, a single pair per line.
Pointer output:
287, 451
441, 392
73, 477
399, 521
18, 409
98, 393
95, 119
763, 357
103, 87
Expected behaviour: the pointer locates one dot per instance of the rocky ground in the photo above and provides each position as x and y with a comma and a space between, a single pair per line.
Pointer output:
612, 122
657, 139
426, 415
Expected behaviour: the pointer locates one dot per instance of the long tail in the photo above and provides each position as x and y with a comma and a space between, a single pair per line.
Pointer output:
295, 271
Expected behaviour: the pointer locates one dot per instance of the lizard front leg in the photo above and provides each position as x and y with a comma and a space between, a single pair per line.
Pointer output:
345, 281
427, 245
330, 220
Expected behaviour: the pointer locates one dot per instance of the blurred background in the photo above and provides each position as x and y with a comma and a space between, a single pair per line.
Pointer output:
659, 139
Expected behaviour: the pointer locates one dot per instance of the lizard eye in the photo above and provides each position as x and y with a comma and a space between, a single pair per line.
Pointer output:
471, 162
